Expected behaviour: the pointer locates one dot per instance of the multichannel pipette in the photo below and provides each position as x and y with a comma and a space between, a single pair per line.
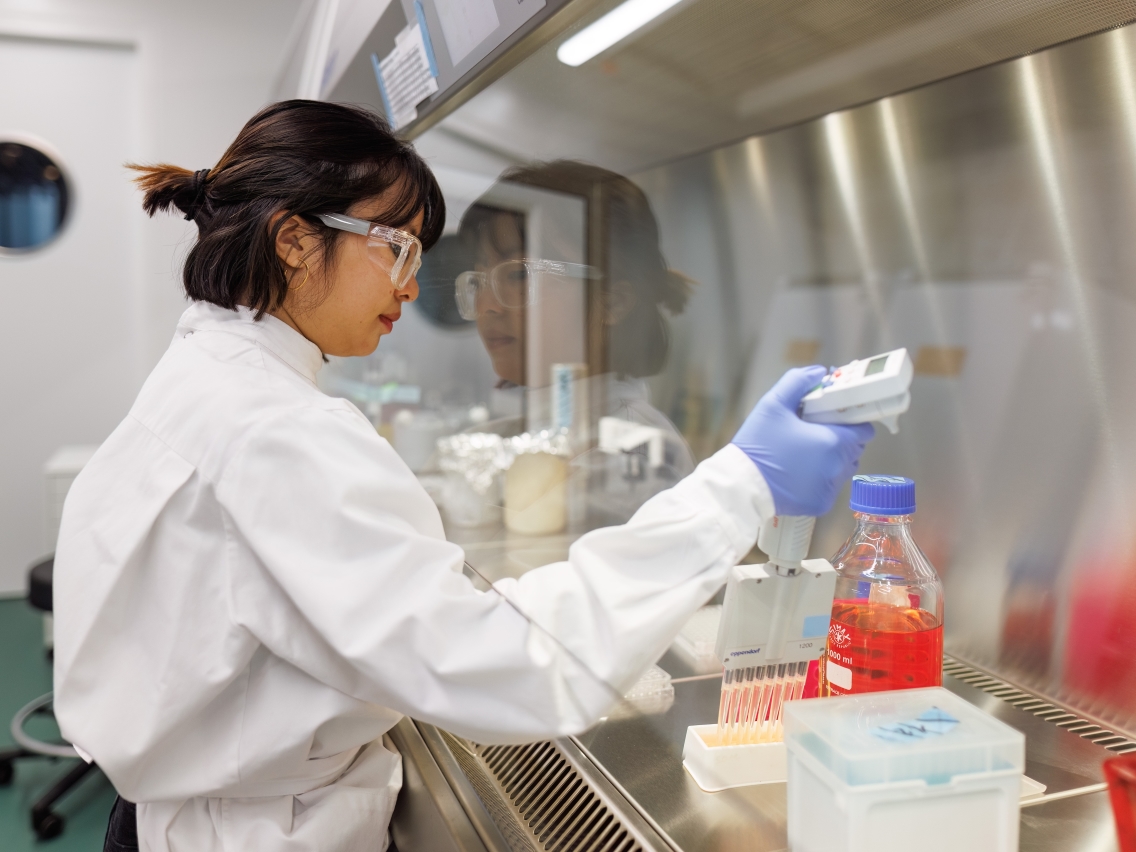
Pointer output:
774, 622
776, 616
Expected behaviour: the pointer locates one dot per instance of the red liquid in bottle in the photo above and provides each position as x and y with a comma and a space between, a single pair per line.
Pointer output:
874, 647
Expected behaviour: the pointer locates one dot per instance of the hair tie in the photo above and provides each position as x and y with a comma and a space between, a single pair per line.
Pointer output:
198, 187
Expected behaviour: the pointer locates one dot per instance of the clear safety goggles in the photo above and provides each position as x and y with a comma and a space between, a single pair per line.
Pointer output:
398, 253
513, 282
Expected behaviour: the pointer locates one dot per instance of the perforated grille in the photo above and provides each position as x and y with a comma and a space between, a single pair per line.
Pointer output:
1059, 716
539, 800
505, 817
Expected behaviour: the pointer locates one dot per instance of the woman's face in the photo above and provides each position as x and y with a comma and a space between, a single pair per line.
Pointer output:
502, 329
346, 305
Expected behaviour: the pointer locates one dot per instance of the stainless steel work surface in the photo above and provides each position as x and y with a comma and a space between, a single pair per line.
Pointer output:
643, 755
1060, 760
1079, 824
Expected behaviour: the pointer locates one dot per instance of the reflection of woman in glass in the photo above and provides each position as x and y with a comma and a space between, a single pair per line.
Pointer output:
495, 237
634, 289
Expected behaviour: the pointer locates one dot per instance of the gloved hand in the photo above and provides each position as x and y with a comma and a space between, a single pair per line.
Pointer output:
804, 464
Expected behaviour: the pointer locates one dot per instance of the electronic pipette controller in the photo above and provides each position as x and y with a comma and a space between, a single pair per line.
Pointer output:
862, 391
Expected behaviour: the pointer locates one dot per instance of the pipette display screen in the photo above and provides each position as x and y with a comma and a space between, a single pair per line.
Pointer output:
876, 365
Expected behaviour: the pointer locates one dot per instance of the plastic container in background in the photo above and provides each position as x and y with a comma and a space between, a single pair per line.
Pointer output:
899, 771
1120, 772
652, 694
695, 643
466, 507
416, 435
536, 494
472, 465
886, 630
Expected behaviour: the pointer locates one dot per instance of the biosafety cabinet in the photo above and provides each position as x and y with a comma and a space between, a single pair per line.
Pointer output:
655, 209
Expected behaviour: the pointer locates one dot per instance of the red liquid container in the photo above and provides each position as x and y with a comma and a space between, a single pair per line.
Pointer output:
1120, 772
887, 617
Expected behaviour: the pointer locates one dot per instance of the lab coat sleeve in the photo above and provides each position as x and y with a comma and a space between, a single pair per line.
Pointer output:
346, 577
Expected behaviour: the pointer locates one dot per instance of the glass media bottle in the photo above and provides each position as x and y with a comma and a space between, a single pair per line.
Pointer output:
887, 617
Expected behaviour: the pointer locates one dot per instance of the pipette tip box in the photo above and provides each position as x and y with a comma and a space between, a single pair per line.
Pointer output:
895, 771
717, 767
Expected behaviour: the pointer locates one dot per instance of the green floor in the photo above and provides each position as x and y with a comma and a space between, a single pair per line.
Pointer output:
25, 673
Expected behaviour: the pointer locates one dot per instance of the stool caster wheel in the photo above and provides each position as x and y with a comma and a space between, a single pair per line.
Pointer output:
47, 825
7, 772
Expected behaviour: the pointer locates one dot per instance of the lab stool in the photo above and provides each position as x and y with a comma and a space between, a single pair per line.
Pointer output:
45, 822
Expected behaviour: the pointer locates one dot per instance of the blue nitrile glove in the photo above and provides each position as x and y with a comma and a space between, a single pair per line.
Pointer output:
804, 464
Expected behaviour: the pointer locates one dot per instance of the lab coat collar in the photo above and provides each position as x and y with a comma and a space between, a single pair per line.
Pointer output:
275, 335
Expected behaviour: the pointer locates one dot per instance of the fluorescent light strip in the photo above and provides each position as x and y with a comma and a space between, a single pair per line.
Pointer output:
611, 29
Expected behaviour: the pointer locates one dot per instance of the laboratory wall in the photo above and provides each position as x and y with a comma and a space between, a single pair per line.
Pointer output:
88, 315
986, 223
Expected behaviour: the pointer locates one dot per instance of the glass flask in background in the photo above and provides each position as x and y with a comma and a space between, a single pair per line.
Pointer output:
887, 615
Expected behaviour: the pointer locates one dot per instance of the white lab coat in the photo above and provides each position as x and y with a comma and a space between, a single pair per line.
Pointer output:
251, 588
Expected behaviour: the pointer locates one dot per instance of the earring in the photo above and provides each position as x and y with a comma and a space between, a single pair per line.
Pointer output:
307, 272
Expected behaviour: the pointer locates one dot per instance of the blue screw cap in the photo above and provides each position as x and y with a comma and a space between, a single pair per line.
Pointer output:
882, 495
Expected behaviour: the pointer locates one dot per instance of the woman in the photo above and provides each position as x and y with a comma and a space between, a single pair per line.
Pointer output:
631, 294
251, 587
634, 287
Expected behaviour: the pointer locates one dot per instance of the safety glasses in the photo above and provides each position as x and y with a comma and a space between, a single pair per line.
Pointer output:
396, 252
513, 283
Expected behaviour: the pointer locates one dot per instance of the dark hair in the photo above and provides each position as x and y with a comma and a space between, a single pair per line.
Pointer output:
639, 344
300, 158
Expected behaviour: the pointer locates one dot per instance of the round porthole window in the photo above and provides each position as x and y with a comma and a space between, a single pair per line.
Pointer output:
34, 198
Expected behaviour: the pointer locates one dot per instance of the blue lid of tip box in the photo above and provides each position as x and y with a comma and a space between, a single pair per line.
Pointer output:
914, 734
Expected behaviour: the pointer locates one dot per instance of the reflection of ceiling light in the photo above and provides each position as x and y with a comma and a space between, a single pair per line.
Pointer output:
611, 29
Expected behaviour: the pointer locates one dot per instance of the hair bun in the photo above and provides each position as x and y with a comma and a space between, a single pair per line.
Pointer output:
167, 186
197, 187
676, 291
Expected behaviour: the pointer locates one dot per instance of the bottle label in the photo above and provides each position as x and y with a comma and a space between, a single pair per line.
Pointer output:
839, 676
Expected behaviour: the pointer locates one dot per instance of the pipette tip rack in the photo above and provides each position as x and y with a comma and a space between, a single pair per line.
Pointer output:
746, 746
714, 767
